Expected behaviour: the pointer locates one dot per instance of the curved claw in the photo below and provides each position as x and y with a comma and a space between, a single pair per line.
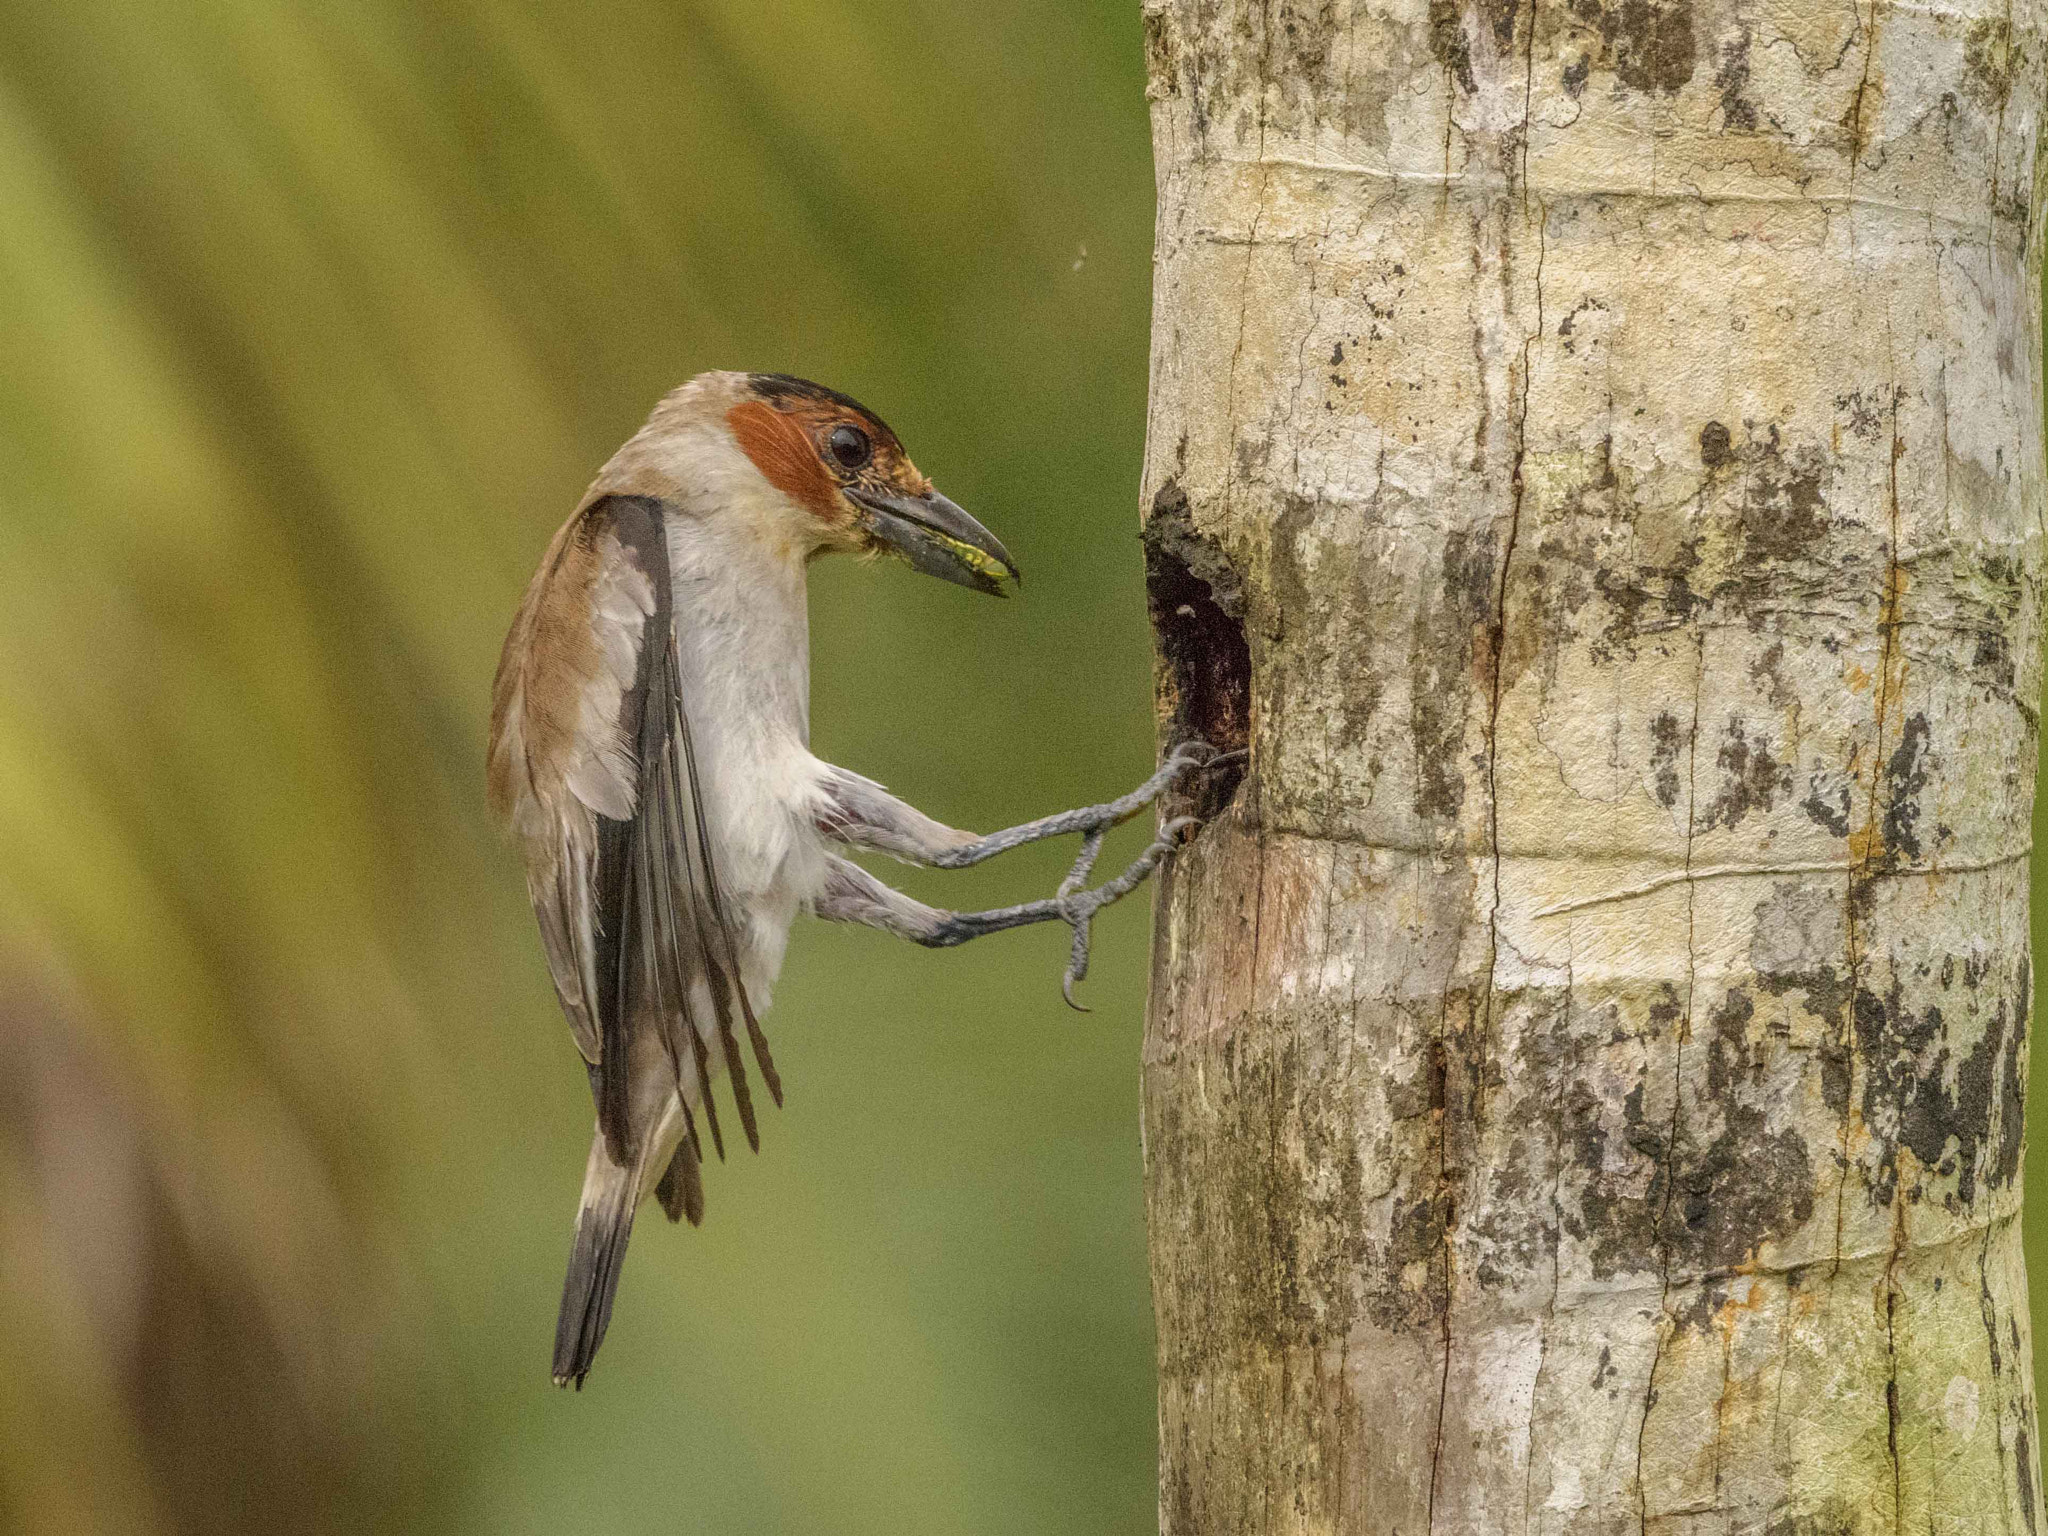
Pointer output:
1077, 968
1078, 908
1091, 848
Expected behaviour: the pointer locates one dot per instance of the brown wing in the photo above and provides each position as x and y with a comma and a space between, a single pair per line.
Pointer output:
593, 769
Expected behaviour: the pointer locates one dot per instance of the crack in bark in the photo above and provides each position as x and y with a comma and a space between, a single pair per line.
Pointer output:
1987, 1309
1666, 1324
1557, 1116
1755, 871
1855, 123
1560, 192
1497, 647
1443, 1394
1864, 853
1891, 1352
1281, 826
1497, 640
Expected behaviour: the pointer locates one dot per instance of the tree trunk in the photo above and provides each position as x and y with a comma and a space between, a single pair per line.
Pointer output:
1595, 461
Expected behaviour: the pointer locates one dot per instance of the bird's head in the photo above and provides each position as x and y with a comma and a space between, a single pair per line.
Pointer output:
818, 470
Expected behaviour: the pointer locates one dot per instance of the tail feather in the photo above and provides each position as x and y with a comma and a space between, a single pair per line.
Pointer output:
681, 1190
602, 1229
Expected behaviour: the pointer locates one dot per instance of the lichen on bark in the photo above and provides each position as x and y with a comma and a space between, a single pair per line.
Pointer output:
1584, 1069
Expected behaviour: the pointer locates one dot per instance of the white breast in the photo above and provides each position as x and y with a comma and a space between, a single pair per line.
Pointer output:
743, 639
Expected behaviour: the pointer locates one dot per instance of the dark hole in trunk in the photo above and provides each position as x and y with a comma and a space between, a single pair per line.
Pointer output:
1205, 680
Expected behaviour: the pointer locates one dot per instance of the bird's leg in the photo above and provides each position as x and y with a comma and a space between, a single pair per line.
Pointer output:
1077, 880
1091, 820
859, 812
852, 895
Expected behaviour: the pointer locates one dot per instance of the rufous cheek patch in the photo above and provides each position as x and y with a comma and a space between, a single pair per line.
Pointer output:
781, 450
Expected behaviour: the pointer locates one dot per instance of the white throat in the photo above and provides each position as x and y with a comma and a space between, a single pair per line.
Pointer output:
742, 628
743, 639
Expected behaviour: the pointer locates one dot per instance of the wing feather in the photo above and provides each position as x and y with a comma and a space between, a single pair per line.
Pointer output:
593, 767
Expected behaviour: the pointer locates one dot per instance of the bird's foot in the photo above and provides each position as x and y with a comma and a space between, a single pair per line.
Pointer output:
1078, 906
1076, 903
1092, 820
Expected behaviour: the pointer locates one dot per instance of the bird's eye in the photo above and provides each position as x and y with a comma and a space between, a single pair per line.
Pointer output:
850, 446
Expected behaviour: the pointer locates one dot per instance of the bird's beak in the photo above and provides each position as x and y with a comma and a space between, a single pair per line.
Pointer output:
936, 537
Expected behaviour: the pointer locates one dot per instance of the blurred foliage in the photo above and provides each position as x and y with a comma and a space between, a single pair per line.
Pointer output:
314, 321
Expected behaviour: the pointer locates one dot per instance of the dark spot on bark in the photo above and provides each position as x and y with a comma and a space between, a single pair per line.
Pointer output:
1162, 62
1752, 780
1730, 1021
1280, 1244
1567, 329
1994, 659
1716, 448
1738, 112
1448, 44
1837, 1075
1196, 602
1783, 515
1800, 931
1446, 621
1337, 354
1769, 668
1666, 737
2012, 1125
1892, 1040
1989, 57
1416, 1232
1921, 1095
1648, 43
1183, 1494
1827, 807
1515, 1223
1906, 775
1416, 1235
1575, 76
1666, 1011
1868, 412
1316, 628
1604, 1371
1747, 1185
2024, 1454
1500, 15
1699, 1192
1647, 597
1306, 31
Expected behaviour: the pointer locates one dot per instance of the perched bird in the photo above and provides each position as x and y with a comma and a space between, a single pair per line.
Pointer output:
650, 759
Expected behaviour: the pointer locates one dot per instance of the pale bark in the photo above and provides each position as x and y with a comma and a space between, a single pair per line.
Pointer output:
1584, 1070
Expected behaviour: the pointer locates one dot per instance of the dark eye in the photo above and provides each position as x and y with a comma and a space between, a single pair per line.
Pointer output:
850, 446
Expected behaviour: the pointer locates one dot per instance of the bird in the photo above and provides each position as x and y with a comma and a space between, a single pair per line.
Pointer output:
649, 759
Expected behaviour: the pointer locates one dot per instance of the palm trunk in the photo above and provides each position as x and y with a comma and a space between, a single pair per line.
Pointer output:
1595, 460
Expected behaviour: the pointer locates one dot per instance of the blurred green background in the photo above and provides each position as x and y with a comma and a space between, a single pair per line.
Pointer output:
314, 321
